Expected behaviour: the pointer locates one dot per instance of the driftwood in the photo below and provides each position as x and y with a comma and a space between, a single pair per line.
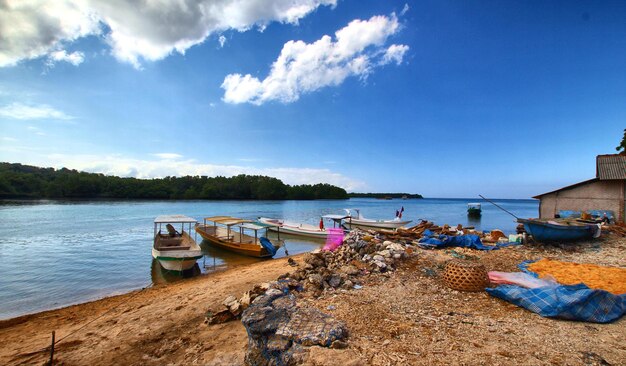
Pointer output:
417, 231
619, 229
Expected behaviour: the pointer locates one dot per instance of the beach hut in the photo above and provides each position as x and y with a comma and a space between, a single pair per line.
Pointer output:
605, 193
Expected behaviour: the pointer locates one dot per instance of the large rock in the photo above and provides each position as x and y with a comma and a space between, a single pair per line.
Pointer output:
233, 305
395, 247
316, 279
279, 331
334, 281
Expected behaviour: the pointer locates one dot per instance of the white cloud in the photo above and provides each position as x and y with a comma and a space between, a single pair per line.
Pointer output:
168, 156
222, 40
126, 167
405, 9
26, 112
135, 30
34, 28
74, 58
301, 68
36, 131
395, 53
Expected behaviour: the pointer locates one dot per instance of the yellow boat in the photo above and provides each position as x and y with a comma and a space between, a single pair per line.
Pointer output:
228, 233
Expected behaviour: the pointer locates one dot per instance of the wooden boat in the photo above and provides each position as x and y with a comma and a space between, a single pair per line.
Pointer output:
559, 230
474, 209
175, 250
300, 229
355, 219
227, 233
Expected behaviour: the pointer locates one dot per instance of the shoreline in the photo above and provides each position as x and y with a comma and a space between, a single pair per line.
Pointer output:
159, 307
126, 292
402, 317
18, 318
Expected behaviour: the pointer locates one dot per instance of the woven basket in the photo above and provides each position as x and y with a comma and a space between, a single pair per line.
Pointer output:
465, 276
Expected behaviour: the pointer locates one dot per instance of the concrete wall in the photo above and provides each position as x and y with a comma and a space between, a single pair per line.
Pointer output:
596, 195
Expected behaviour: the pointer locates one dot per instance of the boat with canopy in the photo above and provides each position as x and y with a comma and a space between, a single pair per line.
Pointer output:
237, 235
175, 250
474, 209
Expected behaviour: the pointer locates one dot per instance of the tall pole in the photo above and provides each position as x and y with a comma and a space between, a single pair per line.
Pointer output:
495, 204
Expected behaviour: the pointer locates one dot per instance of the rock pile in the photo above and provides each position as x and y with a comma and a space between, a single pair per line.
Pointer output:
279, 331
361, 253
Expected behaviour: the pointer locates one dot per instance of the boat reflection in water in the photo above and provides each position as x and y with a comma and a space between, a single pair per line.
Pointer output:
473, 221
161, 275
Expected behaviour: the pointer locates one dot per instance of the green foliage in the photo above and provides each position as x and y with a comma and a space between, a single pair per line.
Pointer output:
622, 145
23, 181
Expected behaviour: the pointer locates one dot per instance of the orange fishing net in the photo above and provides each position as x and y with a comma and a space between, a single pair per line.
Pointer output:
611, 279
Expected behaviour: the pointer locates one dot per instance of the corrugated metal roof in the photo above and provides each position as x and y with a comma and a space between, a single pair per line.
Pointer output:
611, 167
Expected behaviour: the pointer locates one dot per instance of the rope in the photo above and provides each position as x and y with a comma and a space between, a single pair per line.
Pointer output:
93, 320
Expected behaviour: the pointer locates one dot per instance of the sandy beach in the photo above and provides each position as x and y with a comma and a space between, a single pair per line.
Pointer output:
162, 324
402, 317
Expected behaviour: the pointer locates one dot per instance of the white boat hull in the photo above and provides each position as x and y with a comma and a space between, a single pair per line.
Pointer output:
177, 261
310, 234
383, 224
293, 228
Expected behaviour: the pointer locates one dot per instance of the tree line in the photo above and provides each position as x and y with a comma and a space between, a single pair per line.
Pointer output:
24, 181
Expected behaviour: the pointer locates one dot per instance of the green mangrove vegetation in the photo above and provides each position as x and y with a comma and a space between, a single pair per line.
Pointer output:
30, 182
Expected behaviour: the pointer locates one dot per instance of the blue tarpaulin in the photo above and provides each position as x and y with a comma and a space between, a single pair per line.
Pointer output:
466, 241
572, 302
593, 213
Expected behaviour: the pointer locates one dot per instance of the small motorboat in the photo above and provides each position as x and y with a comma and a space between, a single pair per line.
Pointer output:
474, 210
355, 219
302, 229
229, 233
557, 230
175, 250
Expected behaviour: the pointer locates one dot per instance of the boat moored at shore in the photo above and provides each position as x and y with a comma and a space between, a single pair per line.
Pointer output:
559, 230
355, 219
175, 250
226, 232
302, 229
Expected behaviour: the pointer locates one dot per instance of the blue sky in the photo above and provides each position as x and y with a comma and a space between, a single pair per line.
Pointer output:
444, 98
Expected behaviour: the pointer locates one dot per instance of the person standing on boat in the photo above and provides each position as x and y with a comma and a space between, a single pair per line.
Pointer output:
321, 223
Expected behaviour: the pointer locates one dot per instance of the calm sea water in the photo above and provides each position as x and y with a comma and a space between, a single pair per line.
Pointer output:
54, 254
